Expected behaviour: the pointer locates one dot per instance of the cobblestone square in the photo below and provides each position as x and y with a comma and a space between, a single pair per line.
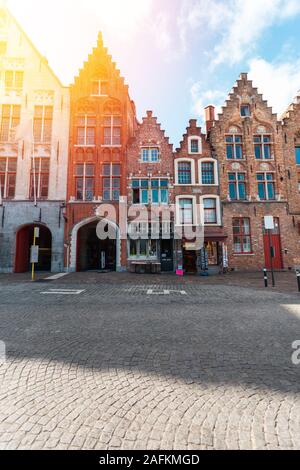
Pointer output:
117, 368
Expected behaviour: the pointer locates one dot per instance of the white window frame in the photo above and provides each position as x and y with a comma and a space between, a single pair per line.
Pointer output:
195, 215
150, 189
216, 172
218, 208
14, 87
234, 145
112, 117
149, 149
85, 177
99, 82
199, 139
86, 116
5, 188
111, 177
42, 119
138, 255
262, 144
11, 128
193, 173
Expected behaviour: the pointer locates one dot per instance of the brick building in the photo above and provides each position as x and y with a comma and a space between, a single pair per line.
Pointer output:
34, 129
198, 201
291, 149
102, 120
150, 184
249, 143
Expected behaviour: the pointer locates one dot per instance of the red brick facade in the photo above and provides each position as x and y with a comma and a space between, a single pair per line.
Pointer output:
102, 121
258, 178
150, 170
197, 180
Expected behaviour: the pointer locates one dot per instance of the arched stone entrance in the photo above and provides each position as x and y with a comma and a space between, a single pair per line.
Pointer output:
89, 253
24, 241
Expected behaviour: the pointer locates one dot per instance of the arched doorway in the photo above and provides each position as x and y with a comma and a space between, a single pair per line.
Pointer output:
94, 254
24, 241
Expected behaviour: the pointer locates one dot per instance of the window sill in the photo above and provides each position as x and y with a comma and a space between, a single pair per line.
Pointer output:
243, 254
84, 146
112, 146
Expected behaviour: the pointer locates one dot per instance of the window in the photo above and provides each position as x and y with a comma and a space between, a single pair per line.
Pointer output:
234, 147
42, 124
111, 178
146, 191
143, 249
3, 47
112, 130
241, 236
194, 146
150, 155
86, 130
9, 121
237, 186
14, 80
266, 186
186, 212
159, 191
297, 154
99, 88
85, 182
210, 211
208, 173
39, 178
184, 173
262, 147
245, 110
8, 173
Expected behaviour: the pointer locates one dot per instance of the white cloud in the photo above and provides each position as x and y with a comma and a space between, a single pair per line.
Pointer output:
249, 19
279, 82
202, 97
238, 24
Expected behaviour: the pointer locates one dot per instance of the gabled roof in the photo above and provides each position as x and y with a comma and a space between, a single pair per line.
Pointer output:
236, 94
43, 58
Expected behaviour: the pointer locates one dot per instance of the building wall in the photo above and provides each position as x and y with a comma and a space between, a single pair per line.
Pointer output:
115, 101
198, 191
261, 120
40, 88
149, 135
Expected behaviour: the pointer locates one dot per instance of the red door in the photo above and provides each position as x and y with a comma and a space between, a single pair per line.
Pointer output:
276, 245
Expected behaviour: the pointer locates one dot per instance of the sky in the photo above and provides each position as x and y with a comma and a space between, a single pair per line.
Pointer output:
177, 56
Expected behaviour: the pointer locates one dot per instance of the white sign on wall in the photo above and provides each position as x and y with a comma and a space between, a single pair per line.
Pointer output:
269, 222
34, 254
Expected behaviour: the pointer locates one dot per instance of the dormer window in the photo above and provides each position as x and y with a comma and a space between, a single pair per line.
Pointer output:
150, 154
100, 88
245, 110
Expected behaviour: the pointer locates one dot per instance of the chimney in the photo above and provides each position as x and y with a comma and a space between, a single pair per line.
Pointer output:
209, 117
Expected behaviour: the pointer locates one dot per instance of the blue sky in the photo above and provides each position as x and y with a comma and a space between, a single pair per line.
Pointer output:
176, 55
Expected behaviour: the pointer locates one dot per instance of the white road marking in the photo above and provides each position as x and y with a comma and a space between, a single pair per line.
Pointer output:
63, 292
166, 292
56, 276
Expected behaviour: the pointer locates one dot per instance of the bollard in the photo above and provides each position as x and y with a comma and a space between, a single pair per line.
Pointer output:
266, 277
298, 279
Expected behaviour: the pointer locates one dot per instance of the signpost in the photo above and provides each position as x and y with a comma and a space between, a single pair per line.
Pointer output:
269, 226
34, 254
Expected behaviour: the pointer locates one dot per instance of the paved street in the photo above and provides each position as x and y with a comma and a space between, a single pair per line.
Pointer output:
147, 363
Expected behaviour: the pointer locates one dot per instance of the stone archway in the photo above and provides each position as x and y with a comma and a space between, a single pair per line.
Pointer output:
76, 262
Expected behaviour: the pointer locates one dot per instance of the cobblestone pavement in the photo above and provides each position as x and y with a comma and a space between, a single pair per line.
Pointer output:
135, 365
